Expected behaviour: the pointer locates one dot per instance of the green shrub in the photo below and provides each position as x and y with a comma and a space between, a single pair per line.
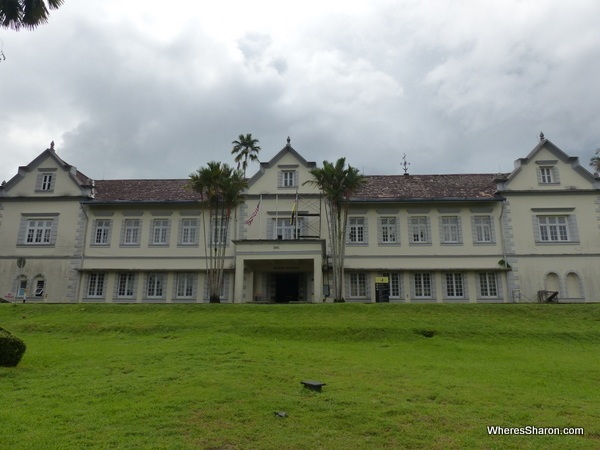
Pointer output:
11, 349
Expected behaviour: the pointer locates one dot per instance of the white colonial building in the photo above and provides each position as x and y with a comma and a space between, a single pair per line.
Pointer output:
434, 238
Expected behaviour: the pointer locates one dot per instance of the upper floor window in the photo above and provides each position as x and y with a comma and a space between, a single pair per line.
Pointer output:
288, 178
553, 228
356, 232
131, 232
450, 230
160, 231
102, 232
39, 232
389, 231
219, 231
482, 229
45, 181
546, 174
419, 229
285, 229
188, 231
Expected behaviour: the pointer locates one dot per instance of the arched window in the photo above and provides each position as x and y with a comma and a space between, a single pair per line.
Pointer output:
21, 286
552, 282
574, 286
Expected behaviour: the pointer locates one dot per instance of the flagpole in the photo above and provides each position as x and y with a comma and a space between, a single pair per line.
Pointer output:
296, 225
260, 219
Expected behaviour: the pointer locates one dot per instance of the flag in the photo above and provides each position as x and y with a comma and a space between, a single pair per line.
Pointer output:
254, 214
293, 220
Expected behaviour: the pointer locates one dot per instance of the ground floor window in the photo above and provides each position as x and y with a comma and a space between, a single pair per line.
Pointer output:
455, 285
422, 285
155, 285
488, 284
395, 283
125, 285
358, 284
185, 285
95, 285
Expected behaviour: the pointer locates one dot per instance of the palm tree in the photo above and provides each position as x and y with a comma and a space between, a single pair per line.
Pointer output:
245, 148
337, 183
595, 161
220, 188
26, 13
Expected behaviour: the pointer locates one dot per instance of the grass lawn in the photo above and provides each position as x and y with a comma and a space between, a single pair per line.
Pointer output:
212, 376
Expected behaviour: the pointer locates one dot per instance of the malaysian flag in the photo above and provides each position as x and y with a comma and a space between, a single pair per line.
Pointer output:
254, 213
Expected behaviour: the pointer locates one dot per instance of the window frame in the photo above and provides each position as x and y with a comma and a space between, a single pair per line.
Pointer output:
488, 285
450, 232
357, 230
95, 286
132, 228
38, 231
102, 229
125, 286
480, 229
454, 283
288, 178
548, 230
358, 285
389, 231
191, 227
418, 228
160, 232
423, 285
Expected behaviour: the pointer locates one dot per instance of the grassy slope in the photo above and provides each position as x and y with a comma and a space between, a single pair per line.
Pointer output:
211, 376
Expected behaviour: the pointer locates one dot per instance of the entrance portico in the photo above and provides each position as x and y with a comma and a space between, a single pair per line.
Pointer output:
279, 270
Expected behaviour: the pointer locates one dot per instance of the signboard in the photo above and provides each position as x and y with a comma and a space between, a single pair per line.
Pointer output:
382, 279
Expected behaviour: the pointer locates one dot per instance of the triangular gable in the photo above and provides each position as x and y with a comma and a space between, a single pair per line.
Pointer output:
82, 184
273, 162
557, 154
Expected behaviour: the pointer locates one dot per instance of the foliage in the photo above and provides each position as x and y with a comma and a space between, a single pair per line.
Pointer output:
11, 349
245, 148
595, 161
220, 188
17, 14
337, 183
211, 376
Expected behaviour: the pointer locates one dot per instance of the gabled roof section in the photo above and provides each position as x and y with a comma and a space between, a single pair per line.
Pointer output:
144, 191
288, 149
81, 180
546, 144
458, 187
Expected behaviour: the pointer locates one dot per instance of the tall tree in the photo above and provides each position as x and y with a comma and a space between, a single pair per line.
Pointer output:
595, 161
337, 183
221, 189
17, 14
245, 148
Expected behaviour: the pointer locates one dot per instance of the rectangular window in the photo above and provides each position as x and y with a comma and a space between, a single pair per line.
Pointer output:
38, 232
132, 232
185, 285
101, 231
389, 233
488, 286
394, 280
357, 230
288, 178
39, 288
422, 282
418, 229
95, 285
553, 228
450, 230
482, 229
284, 229
219, 231
188, 231
155, 285
546, 175
160, 231
125, 284
22, 290
46, 182
358, 284
455, 285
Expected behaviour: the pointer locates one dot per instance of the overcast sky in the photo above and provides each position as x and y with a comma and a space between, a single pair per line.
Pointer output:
133, 90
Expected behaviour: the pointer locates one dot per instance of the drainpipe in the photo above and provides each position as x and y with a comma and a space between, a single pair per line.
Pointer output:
84, 244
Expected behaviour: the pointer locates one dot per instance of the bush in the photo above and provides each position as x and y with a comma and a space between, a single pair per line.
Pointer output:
11, 349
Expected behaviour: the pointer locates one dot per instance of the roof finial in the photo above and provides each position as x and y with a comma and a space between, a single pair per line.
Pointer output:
288, 141
52, 145
542, 136
405, 164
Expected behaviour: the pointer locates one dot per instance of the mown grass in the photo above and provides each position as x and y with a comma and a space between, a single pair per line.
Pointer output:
212, 376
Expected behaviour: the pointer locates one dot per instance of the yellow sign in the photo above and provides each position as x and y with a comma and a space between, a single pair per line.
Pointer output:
382, 280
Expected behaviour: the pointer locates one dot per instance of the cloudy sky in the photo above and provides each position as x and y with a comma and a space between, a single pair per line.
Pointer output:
134, 90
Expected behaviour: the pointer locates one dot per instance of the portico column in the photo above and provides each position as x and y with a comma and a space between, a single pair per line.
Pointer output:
238, 290
317, 279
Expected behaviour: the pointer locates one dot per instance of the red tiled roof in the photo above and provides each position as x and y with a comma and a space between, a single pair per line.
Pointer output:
414, 187
144, 191
378, 187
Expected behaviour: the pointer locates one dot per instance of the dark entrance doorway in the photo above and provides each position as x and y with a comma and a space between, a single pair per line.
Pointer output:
286, 287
